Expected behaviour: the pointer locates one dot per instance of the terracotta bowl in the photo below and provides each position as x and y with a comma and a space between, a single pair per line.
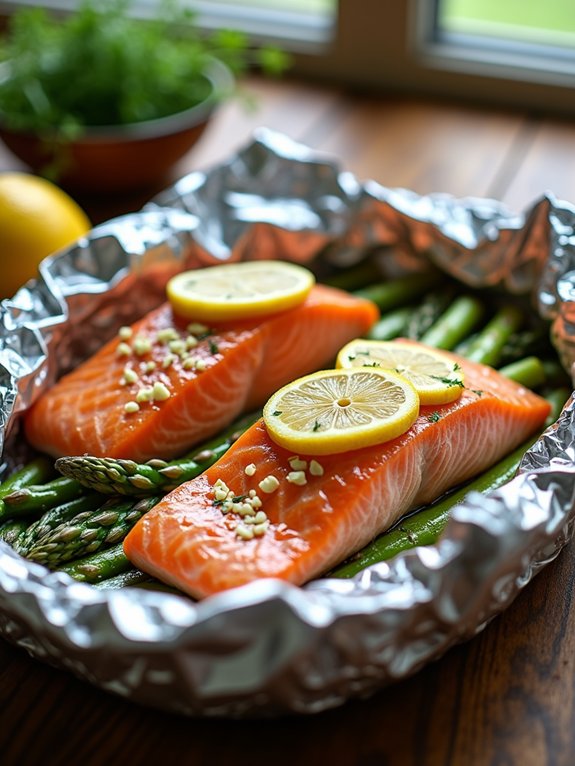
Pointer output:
121, 158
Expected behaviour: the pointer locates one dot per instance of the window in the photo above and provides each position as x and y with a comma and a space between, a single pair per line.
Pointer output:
515, 52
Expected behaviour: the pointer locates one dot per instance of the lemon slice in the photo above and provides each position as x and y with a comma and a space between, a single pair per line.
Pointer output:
334, 411
239, 290
435, 376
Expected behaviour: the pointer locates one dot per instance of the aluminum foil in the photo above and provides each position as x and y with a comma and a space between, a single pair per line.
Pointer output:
270, 648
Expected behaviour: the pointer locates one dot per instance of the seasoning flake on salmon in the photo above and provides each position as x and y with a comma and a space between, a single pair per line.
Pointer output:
201, 538
163, 385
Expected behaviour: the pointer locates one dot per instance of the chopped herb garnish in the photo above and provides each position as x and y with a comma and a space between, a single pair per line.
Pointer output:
277, 412
448, 381
239, 498
370, 364
477, 391
213, 347
433, 417
316, 426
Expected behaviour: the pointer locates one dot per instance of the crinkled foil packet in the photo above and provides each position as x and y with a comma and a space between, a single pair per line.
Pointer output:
270, 648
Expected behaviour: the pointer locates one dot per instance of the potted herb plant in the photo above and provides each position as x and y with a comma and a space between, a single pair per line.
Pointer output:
99, 100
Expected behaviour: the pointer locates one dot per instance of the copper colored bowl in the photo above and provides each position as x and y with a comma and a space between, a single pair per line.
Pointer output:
121, 158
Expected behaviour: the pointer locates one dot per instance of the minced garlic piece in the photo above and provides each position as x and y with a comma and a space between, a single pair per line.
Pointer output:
297, 464
145, 394
200, 365
131, 407
123, 349
191, 341
260, 529
269, 484
130, 375
142, 345
177, 346
245, 532
189, 363
160, 392
150, 367
297, 477
250, 469
125, 333
168, 360
166, 335
196, 328
315, 468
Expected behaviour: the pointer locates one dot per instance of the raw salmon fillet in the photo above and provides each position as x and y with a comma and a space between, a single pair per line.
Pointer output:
232, 370
187, 541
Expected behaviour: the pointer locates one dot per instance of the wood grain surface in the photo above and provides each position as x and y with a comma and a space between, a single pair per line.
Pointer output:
506, 697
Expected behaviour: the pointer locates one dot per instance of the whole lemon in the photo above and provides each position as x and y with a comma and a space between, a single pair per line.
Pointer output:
37, 218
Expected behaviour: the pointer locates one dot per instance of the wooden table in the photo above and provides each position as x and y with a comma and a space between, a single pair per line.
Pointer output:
507, 697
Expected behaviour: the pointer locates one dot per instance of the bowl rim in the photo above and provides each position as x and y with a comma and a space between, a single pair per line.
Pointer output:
217, 73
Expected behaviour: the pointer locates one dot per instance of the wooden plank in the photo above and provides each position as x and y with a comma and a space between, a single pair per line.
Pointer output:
420, 145
549, 165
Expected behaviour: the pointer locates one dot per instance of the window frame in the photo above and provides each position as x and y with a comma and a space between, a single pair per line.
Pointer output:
391, 46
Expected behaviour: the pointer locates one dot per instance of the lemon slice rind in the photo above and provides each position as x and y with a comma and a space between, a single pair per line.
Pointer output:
239, 290
334, 411
434, 375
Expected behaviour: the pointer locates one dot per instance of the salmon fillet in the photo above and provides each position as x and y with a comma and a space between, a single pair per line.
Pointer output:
232, 370
187, 541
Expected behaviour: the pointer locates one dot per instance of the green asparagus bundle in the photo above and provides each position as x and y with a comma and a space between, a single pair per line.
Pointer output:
83, 533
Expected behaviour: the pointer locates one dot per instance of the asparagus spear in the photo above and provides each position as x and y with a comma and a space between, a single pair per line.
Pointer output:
425, 526
71, 539
10, 531
397, 292
37, 498
455, 323
35, 471
430, 309
125, 580
488, 345
391, 325
98, 566
78, 509
126, 477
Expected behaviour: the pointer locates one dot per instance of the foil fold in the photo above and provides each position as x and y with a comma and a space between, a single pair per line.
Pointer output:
270, 648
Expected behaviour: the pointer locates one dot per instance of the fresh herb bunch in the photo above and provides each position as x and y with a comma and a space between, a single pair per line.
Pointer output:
101, 66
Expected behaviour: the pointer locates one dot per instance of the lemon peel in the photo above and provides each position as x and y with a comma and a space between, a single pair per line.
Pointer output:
239, 290
333, 411
434, 375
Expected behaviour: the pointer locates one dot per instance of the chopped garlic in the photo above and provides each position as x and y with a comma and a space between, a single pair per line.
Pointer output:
196, 328
142, 345
244, 531
125, 333
269, 484
260, 529
297, 477
250, 469
191, 341
123, 349
160, 392
177, 346
200, 365
315, 468
145, 394
297, 464
131, 407
167, 334
130, 375
150, 366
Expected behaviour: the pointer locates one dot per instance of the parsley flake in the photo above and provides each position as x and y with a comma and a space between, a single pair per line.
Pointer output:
433, 417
